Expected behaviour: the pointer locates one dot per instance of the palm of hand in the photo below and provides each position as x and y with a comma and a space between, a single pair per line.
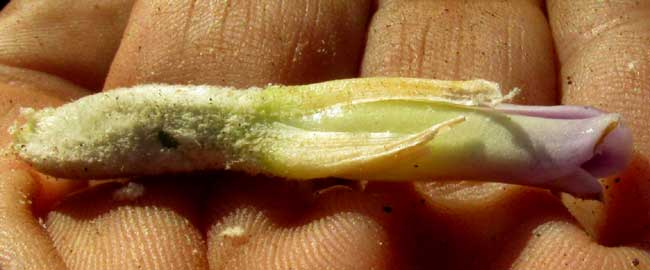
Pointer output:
224, 221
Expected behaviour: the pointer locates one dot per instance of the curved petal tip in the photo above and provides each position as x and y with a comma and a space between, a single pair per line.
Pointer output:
612, 154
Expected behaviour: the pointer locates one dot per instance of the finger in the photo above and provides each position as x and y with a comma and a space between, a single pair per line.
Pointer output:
505, 41
75, 40
21, 88
603, 49
150, 225
478, 217
272, 224
24, 244
557, 243
240, 43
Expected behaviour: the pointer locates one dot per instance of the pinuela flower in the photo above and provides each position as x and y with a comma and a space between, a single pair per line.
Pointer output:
384, 129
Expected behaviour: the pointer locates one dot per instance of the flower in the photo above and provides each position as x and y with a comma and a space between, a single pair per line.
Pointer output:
384, 129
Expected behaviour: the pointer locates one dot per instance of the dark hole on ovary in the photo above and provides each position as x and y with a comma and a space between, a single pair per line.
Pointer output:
167, 140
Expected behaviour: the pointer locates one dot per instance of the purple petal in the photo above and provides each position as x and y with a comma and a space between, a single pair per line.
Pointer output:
612, 155
595, 144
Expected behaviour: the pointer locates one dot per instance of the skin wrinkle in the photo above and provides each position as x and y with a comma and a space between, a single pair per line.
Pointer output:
250, 23
322, 258
329, 252
423, 44
186, 29
509, 34
129, 237
599, 17
280, 261
459, 38
146, 223
296, 42
224, 18
402, 47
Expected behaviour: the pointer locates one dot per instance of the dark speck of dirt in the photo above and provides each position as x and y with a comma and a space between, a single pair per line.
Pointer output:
635, 262
387, 209
167, 140
617, 180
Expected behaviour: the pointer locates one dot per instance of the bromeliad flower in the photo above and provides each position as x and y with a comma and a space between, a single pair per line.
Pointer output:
392, 129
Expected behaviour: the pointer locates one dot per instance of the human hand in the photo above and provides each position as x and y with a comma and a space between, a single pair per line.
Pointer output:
233, 221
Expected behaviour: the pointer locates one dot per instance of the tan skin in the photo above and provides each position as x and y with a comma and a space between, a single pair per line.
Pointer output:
592, 52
